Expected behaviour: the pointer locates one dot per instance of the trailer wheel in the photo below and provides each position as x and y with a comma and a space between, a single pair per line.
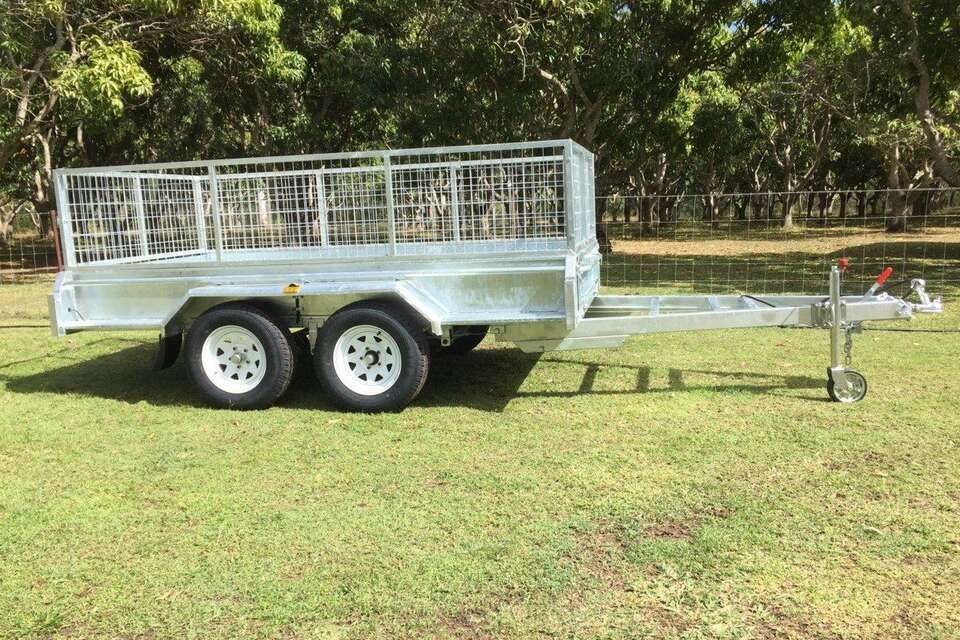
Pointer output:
467, 342
371, 357
851, 386
239, 357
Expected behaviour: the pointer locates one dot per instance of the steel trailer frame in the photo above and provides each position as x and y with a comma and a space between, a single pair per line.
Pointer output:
496, 236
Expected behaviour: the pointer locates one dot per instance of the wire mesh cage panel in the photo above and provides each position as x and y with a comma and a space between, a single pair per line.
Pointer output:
355, 204
425, 205
454, 200
582, 195
119, 218
270, 211
516, 200
172, 215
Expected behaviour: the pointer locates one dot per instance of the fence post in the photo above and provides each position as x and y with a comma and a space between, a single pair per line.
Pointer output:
56, 238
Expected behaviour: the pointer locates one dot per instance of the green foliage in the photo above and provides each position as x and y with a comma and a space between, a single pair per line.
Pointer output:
670, 95
105, 76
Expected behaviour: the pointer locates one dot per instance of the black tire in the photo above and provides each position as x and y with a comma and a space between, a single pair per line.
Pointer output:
464, 344
856, 394
278, 355
414, 356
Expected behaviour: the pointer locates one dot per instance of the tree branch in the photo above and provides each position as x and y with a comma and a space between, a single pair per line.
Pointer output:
922, 100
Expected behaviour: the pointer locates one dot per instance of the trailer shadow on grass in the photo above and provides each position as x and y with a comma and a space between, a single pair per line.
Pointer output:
486, 380
679, 380
124, 374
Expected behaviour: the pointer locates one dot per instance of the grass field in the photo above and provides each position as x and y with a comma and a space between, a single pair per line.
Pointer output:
684, 486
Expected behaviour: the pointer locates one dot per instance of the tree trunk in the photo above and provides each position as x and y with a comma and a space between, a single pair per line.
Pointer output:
741, 209
600, 209
669, 210
8, 213
788, 199
724, 210
646, 216
934, 201
630, 208
922, 101
710, 210
897, 220
600, 205
921, 202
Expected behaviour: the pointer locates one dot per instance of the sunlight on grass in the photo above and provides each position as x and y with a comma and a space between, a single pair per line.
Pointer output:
684, 486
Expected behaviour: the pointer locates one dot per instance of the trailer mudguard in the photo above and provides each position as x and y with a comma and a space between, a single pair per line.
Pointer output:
168, 349
331, 295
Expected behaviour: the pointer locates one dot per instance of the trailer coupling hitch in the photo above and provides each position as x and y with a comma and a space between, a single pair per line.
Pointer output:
917, 286
926, 305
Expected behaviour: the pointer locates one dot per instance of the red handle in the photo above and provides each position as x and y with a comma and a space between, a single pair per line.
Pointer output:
886, 273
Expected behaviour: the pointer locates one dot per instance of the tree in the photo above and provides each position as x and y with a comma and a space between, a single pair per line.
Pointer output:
918, 40
72, 67
717, 95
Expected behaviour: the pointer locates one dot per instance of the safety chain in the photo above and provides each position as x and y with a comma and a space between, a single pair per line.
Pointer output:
848, 346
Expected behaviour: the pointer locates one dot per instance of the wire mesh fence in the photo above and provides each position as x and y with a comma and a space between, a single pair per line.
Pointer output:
766, 243
27, 248
779, 243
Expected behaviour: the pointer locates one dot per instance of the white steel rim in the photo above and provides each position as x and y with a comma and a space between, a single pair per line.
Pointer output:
367, 360
234, 359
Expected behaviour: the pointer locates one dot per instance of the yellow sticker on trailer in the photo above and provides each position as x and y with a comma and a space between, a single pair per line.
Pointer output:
293, 287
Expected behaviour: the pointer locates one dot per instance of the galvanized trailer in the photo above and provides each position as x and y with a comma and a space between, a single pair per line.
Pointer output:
361, 260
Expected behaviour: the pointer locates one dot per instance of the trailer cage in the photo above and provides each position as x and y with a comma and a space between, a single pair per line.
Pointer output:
371, 263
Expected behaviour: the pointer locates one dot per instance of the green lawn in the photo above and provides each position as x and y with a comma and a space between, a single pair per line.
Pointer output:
684, 486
